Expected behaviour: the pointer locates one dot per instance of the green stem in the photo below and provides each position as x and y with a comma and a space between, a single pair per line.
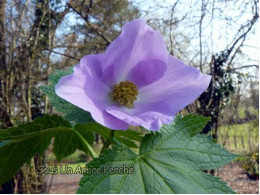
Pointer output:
108, 141
86, 145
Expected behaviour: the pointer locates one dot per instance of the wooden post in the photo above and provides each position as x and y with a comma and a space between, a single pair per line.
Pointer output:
227, 141
242, 141
235, 141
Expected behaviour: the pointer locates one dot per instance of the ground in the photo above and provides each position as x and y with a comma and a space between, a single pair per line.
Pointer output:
235, 177
232, 173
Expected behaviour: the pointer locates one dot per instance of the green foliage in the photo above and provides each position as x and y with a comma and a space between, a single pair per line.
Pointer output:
71, 112
169, 161
129, 138
19, 144
193, 124
250, 164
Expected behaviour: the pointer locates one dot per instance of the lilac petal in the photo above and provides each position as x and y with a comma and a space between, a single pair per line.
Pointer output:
146, 72
83, 89
149, 119
138, 45
179, 87
95, 88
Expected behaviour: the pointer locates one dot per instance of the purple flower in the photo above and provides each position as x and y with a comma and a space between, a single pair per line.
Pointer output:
135, 82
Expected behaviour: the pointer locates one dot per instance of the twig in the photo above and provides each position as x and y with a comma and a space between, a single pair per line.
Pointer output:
246, 66
66, 55
86, 145
108, 141
98, 30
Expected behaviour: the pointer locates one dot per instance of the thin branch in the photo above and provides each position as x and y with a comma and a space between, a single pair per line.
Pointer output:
246, 66
66, 55
98, 30
79, 13
212, 82
249, 25
203, 13
171, 38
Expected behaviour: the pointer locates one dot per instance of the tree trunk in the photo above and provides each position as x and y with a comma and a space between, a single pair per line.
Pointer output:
2, 33
5, 122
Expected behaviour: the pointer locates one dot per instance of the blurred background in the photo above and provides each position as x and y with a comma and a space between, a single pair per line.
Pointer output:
219, 37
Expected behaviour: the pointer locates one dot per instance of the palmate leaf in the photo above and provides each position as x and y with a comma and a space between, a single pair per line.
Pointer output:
19, 144
169, 161
71, 112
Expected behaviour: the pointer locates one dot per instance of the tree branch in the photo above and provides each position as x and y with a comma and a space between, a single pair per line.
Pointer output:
66, 55
98, 30
246, 66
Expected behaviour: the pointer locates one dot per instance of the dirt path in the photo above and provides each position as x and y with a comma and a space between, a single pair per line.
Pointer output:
64, 184
231, 173
235, 177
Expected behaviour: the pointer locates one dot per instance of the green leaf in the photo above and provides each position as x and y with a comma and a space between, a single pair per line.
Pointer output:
192, 123
19, 144
169, 161
71, 112
66, 143
129, 138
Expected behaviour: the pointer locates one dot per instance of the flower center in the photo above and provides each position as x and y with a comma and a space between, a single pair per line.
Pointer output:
124, 93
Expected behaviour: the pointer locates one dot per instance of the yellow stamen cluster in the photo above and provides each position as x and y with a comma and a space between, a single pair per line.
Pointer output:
124, 93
